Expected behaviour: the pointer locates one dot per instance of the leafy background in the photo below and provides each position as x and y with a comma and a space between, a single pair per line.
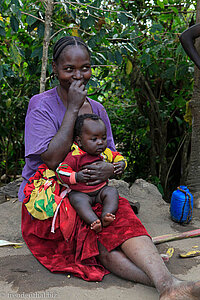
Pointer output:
140, 74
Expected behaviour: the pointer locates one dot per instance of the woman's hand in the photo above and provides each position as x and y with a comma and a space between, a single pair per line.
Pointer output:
99, 172
76, 94
82, 176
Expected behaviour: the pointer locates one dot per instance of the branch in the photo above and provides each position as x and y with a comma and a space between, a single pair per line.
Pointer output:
75, 4
24, 13
65, 28
172, 162
46, 40
180, 12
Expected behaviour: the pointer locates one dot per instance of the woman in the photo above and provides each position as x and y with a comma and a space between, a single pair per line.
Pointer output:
187, 39
124, 247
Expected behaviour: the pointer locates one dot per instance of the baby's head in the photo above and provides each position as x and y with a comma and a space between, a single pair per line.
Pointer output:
90, 134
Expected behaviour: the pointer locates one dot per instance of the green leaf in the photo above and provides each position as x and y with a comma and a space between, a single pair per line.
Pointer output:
14, 8
16, 2
14, 23
30, 20
73, 13
123, 18
90, 21
118, 57
96, 3
174, 9
102, 33
111, 57
130, 47
2, 31
92, 42
161, 4
40, 30
129, 67
93, 83
169, 73
15, 54
179, 121
146, 59
84, 23
102, 58
1, 72
156, 27
2, 24
37, 52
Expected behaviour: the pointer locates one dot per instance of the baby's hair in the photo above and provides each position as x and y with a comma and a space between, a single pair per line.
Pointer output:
80, 121
65, 42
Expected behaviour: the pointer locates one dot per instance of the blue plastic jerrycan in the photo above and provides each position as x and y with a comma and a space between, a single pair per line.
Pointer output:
181, 207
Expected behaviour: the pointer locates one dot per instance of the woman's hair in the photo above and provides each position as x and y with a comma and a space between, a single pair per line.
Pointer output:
80, 121
65, 42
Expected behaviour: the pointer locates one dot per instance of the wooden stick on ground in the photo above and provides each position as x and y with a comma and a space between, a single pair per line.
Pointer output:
176, 236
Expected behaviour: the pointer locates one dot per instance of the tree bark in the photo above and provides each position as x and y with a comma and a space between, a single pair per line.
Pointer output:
193, 179
46, 40
158, 128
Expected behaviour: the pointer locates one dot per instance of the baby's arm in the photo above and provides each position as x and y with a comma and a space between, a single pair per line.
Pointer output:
68, 176
65, 174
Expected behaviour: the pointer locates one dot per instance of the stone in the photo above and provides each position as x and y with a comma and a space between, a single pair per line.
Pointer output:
10, 190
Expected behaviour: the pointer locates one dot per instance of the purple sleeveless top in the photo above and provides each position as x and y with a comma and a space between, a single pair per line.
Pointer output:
43, 119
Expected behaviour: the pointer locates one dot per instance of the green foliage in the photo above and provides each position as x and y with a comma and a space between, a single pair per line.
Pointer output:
129, 40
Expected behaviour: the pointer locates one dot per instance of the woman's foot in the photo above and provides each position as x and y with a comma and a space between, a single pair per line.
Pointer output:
182, 291
107, 219
96, 226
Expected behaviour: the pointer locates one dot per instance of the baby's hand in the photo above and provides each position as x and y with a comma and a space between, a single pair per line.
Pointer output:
82, 176
119, 167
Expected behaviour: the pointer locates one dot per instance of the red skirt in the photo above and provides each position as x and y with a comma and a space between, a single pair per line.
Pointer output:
78, 254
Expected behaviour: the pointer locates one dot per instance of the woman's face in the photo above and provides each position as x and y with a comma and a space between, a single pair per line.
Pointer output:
72, 64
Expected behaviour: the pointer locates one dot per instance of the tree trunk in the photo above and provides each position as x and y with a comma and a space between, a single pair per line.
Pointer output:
158, 128
193, 179
46, 40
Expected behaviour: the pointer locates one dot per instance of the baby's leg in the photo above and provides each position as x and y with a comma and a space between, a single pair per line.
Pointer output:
82, 204
109, 197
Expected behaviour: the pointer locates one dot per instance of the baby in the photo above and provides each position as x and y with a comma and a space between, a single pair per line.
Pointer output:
90, 146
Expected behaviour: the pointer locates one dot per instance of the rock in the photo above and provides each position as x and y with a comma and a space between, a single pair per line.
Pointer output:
2, 198
196, 199
142, 189
124, 191
10, 219
10, 190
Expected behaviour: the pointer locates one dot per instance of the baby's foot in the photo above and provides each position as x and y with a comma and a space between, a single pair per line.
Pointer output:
96, 226
107, 219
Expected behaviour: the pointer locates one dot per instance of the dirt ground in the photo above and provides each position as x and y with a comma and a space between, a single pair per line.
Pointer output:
22, 276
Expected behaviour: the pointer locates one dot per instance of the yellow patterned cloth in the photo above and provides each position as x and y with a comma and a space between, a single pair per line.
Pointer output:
42, 193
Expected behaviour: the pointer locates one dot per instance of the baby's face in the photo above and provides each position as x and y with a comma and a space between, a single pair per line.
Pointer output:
93, 138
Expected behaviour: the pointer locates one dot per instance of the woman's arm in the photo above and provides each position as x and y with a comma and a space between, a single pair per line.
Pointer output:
187, 39
61, 143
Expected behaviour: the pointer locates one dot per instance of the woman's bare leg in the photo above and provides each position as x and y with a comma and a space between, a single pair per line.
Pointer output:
119, 264
143, 253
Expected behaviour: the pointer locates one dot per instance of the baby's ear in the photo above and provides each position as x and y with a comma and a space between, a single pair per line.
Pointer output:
78, 141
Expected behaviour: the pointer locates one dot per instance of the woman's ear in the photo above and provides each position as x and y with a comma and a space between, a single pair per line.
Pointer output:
54, 67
